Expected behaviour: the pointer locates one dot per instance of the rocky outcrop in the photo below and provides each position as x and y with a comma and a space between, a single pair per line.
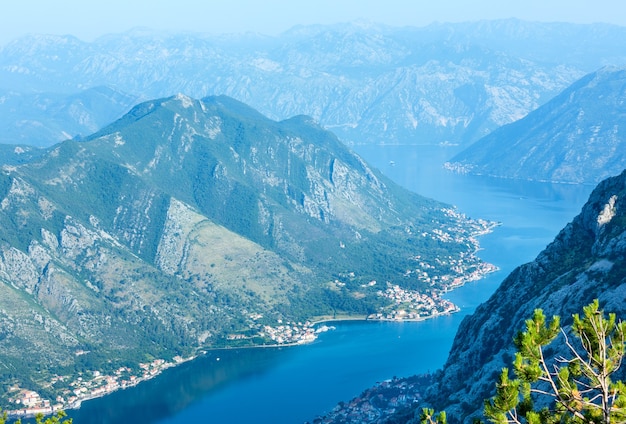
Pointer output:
584, 262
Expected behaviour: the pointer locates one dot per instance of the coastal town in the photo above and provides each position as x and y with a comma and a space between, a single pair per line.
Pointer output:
412, 305
28, 403
378, 402
295, 333
375, 403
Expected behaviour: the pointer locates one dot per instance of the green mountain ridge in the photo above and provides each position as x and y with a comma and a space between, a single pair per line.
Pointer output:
191, 224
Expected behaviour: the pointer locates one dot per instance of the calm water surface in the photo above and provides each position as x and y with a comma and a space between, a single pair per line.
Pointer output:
292, 385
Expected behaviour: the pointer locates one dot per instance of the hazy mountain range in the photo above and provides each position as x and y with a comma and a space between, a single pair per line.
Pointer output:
368, 83
39, 118
577, 137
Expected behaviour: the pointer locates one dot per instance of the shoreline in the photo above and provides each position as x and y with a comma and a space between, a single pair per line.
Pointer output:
76, 404
151, 370
348, 318
398, 320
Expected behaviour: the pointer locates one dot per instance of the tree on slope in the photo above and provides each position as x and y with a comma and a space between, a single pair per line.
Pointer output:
578, 389
39, 419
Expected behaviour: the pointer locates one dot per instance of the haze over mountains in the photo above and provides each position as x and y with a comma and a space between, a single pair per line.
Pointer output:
368, 83
577, 137
188, 221
37, 118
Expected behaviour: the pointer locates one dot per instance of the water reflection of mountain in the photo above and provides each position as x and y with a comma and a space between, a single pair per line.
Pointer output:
177, 388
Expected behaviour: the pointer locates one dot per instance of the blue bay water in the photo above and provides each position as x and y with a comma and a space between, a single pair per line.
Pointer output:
292, 385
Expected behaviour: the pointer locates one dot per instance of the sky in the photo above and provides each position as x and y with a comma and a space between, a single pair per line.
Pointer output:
89, 19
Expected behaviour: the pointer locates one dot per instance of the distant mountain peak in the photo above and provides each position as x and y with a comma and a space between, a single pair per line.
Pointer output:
577, 137
184, 100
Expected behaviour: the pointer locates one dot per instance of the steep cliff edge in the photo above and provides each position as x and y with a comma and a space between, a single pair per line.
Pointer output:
585, 261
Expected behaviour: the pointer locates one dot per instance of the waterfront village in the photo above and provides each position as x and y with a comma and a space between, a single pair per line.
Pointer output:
29, 402
378, 402
405, 305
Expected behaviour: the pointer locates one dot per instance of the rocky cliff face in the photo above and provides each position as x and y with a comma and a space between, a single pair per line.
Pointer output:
584, 262
577, 137
69, 285
370, 84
